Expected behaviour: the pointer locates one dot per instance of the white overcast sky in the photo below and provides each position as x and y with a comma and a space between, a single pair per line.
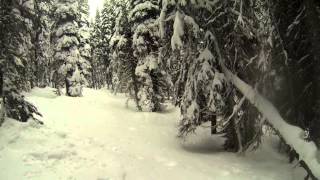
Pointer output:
94, 4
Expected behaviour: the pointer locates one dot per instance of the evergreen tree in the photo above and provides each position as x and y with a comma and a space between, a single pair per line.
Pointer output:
83, 9
296, 51
243, 29
97, 70
27, 10
295, 70
70, 68
102, 32
41, 41
144, 15
15, 58
123, 62
84, 36
224, 107
245, 53
203, 99
110, 12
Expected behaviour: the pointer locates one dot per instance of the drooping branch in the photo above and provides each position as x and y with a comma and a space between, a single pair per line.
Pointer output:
293, 135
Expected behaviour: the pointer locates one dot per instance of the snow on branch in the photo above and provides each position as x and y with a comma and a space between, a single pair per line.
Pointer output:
293, 135
296, 21
180, 21
162, 17
190, 21
141, 7
178, 31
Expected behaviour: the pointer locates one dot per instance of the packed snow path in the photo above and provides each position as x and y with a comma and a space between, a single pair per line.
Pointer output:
96, 137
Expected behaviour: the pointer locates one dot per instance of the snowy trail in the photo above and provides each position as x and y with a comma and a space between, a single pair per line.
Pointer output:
96, 137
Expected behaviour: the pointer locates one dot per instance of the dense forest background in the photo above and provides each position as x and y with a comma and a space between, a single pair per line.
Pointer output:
239, 65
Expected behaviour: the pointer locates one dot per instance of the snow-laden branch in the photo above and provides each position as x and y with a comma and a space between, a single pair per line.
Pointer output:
293, 135
141, 7
178, 31
236, 108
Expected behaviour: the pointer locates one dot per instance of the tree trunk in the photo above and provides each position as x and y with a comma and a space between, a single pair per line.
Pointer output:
291, 134
307, 151
2, 110
135, 87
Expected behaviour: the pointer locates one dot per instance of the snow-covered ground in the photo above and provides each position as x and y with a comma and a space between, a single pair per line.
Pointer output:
96, 137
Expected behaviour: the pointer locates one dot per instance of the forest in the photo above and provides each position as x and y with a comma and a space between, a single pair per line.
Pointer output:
237, 69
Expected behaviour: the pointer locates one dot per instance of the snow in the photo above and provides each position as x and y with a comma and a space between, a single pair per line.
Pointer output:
119, 40
97, 137
67, 41
71, 9
84, 33
77, 81
150, 62
67, 28
293, 135
149, 26
162, 17
195, 27
206, 54
147, 5
18, 61
178, 31
29, 5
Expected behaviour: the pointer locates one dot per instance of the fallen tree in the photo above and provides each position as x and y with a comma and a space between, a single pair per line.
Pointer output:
293, 135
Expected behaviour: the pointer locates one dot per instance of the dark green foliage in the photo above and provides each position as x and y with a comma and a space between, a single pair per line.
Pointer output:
296, 55
14, 60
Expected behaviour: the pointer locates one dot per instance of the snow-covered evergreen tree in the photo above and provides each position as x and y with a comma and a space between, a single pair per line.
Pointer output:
110, 12
70, 67
102, 31
15, 58
204, 97
123, 62
43, 49
180, 42
144, 15
84, 36
240, 43
97, 70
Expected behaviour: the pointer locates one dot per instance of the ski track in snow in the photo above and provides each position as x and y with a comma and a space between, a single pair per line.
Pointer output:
96, 137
